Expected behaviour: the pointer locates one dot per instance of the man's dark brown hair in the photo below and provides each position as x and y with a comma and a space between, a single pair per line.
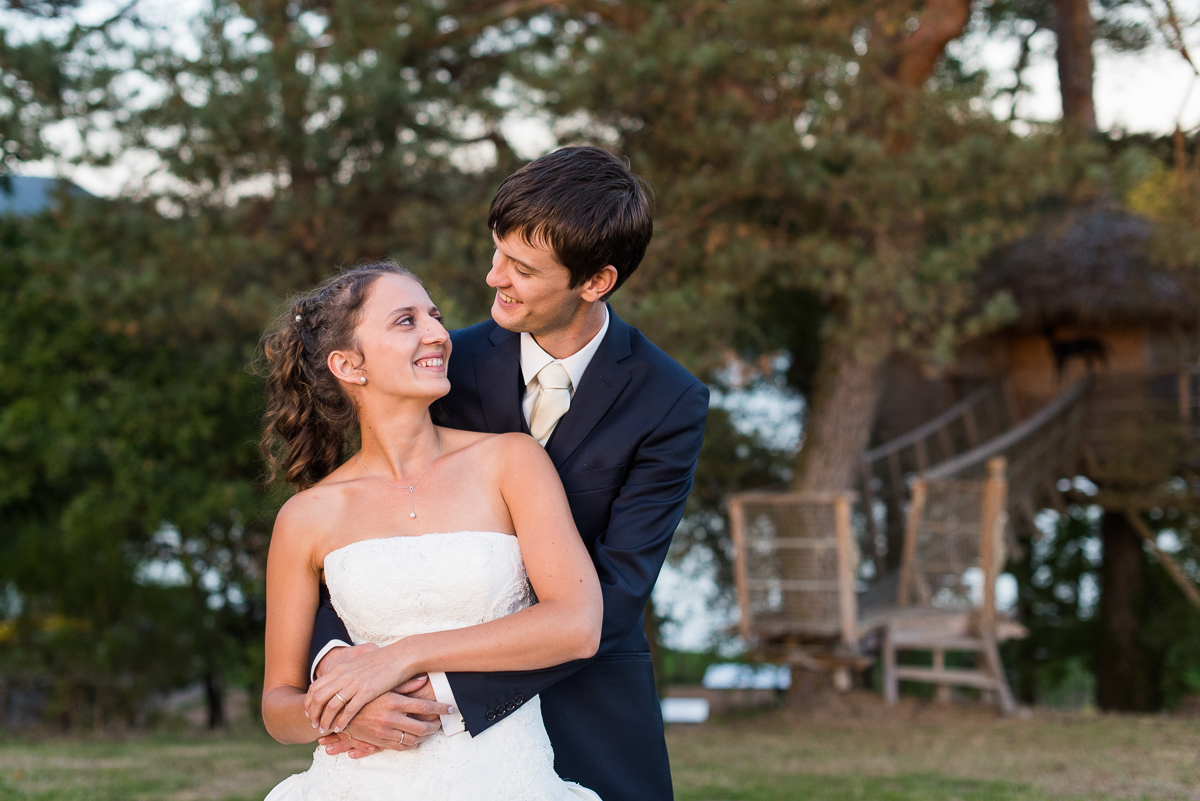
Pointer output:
584, 204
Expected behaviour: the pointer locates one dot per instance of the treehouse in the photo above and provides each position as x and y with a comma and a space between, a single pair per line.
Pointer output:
1097, 377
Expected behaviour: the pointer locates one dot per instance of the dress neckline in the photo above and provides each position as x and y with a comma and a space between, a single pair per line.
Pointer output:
417, 537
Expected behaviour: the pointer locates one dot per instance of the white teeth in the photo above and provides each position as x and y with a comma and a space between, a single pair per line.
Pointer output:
437, 362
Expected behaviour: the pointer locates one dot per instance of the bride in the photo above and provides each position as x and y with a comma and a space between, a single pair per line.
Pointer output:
451, 550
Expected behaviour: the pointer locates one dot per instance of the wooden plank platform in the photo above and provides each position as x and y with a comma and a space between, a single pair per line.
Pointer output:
948, 676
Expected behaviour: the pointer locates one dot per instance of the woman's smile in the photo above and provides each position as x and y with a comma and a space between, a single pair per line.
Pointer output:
437, 362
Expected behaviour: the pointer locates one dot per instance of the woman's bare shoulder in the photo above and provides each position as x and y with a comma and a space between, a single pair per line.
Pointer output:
308, 514
510, 444
513, 448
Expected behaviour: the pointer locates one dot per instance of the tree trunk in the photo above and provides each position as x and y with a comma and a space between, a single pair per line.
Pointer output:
1073, 25
1122, 674
942, 21
214, 691
837, 426
838, 422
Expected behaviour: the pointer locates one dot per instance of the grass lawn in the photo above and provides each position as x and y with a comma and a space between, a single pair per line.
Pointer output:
850, 748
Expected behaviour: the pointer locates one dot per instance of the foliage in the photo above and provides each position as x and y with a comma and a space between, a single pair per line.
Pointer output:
134, 528
804, 168
62, 76
806, 198
1059, 592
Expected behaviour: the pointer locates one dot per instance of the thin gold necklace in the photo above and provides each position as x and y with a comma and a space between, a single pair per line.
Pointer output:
411, 498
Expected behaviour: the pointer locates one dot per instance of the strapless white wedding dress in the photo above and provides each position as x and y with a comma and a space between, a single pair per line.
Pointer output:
386, 589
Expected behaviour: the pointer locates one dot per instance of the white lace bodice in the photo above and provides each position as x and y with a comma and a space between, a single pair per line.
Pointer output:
394, 587
389, 588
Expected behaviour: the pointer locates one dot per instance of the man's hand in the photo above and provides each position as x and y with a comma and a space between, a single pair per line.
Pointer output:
400, 721
336, 656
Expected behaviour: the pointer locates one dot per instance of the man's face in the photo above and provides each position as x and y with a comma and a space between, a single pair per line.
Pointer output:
532, 287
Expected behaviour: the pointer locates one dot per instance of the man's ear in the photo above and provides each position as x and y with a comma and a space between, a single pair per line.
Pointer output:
345, 367
600, 284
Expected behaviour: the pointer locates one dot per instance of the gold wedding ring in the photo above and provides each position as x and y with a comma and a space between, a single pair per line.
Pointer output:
340, 698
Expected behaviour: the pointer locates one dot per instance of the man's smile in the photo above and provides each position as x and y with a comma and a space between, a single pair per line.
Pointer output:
506, 298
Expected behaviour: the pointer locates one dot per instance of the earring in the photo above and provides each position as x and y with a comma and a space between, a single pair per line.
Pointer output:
362, 379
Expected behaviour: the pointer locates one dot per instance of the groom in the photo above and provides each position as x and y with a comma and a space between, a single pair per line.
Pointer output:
621, 421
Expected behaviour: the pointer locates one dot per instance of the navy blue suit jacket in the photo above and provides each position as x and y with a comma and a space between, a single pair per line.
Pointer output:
626, 452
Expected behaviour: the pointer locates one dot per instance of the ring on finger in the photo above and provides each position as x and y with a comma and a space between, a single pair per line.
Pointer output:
340, 698
401, 738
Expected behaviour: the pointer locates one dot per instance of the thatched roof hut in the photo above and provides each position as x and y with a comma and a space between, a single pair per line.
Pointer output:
1093, 267
1091, 300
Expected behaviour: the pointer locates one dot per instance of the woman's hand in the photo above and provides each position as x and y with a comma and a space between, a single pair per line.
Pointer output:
336, 697
399, 721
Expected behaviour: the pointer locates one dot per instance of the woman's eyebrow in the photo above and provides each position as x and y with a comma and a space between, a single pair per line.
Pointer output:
403, 310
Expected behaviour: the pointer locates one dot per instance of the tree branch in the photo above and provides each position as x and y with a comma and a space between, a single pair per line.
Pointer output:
942, 21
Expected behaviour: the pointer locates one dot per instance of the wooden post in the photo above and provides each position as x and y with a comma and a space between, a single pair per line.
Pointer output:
891, 684
995, 494
946, 442
1185, 400
740, 569
912, 530
847, 602
995, 497
991, 657
895, 473
922, 454
1168, 562
942, 693
971, 426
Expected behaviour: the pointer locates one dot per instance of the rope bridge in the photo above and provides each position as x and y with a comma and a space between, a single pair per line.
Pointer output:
958, 485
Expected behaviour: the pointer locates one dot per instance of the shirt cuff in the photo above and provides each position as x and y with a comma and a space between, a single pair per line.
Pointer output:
329, 646
452, 723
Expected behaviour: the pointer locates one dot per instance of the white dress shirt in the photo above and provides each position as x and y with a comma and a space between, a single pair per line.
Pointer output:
533, 359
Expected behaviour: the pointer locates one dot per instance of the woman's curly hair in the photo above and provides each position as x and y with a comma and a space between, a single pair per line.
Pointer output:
310, 419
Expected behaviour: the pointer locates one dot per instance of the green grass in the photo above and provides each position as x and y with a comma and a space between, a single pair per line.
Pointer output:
914, 787
856, 748
848, 748
146, 767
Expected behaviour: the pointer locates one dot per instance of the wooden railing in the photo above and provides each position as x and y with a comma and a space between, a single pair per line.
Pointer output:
795, 564
887, 469
1139, 426
1039, 446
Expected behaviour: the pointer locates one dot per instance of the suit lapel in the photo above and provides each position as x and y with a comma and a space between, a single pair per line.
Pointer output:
498, 378
602, 382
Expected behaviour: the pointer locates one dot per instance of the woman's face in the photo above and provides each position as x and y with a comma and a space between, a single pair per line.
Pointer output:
404, 346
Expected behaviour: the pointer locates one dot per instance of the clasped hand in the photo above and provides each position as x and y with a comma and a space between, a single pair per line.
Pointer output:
382, 715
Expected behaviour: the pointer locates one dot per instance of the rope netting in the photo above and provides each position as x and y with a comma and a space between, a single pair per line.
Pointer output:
788, 563
947, 543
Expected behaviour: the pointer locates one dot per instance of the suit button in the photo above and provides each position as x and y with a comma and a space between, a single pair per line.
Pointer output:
490, 716
510, 706
520, 699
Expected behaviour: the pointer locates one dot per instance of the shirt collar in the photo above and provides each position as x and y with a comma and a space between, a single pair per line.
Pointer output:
533, 358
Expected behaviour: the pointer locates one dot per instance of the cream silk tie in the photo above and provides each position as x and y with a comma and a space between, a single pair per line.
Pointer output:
552, 403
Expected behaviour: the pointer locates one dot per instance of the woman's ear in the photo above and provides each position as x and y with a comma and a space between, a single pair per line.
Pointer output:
600, 284
345, 368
